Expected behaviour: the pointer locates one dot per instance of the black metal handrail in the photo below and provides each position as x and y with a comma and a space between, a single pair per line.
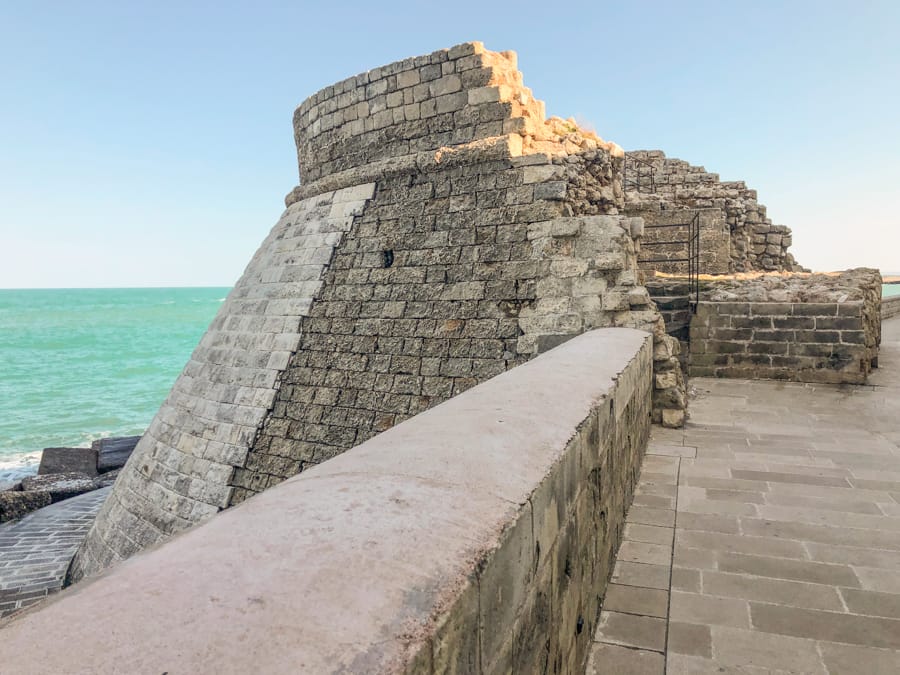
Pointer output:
692, 240
643, 175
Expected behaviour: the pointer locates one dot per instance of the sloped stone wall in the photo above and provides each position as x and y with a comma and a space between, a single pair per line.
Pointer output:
473, 235
756, 243
181, 470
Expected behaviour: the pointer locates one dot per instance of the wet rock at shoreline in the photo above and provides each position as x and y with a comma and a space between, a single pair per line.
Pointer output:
68, 460
106, 479
17, 503
59, 486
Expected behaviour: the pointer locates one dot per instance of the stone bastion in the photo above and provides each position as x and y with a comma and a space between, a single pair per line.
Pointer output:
443, 232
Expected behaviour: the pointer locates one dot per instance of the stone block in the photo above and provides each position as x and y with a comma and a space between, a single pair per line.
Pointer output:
112, 453
642, 632
814, 309
535, 633
610, 658
456, 643
539, 173
828, 626
504, 583
553, 190
855, 337
673, 419
666, 380
65, 460
636, 600
481, 95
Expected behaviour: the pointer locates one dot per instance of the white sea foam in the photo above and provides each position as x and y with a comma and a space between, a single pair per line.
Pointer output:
15, 468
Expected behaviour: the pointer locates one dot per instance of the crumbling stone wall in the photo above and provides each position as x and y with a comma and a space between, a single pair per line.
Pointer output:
466, 263
714, 243
804, 328
755, 243
474, 235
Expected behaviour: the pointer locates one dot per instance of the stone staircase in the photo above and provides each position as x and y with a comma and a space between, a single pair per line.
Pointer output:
673, 299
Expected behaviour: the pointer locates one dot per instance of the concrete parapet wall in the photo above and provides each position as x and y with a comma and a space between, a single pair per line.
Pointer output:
477, 537
831, 342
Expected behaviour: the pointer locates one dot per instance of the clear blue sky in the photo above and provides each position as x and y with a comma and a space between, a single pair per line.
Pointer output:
150, 143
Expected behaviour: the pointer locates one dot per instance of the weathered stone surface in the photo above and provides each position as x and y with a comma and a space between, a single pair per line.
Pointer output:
422, 254
59, 485
112, 453
65, 460
664, 189
800, 327
16, 503
107, 479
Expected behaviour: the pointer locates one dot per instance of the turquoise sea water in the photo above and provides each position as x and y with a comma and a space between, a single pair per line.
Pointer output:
82, 364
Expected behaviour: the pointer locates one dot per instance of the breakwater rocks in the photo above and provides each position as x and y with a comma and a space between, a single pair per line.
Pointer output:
65, 473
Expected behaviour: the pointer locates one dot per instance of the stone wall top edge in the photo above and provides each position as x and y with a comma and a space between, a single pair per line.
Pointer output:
250, 561
402, 65
425, 162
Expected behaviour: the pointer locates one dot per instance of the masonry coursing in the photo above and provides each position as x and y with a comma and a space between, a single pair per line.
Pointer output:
444, 232
755, 243
817, 328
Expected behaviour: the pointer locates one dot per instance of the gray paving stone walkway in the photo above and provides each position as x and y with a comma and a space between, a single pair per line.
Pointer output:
35, 551
765, 535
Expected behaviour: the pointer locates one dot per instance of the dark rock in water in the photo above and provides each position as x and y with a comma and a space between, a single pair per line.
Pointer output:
67, 460
106, 479
112, 453
14, 503
59, 485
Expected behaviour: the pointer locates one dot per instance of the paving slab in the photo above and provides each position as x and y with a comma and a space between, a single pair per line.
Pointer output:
786, 520
35, 551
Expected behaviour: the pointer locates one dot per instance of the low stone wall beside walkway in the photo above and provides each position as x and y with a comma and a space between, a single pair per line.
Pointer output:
801, 342
802, 328
476, 537
890, 307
